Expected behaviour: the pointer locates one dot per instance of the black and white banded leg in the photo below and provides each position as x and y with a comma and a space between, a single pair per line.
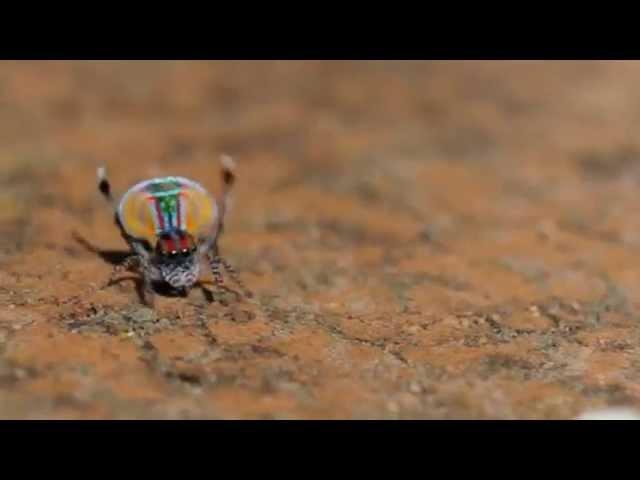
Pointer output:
129, 263
234, 276
147, 293
215, 261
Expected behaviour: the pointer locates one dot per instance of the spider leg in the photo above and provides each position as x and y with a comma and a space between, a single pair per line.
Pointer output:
228, 179
147, 293
132, 261
104, 186
235, 277
215, 261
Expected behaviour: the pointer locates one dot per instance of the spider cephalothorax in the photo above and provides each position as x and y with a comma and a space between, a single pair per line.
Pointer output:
171, 225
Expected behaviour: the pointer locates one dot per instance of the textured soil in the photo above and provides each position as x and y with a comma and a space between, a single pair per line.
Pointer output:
424, 240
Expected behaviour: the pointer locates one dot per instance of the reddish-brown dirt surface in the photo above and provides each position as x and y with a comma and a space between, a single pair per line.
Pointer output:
424, 239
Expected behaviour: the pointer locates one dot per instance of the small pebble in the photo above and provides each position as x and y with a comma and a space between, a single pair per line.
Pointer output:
413, 329
415, 387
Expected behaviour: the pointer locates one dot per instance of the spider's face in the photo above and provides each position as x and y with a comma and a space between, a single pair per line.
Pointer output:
177, 259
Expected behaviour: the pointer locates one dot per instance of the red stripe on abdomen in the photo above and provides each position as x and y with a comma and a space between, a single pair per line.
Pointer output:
159, 215
178, 198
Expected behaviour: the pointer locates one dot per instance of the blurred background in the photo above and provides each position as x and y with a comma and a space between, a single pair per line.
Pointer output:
425, 239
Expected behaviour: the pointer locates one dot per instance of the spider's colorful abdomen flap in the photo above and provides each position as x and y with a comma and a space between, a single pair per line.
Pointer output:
166, 204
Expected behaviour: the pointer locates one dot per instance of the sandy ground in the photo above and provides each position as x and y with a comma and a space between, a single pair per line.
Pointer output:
424, 239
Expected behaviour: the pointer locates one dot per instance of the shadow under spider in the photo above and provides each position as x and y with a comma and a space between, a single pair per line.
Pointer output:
116, 257
112, 257
166, 290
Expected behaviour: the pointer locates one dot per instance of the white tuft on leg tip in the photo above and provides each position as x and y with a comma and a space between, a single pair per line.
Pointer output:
102, 173
227, 162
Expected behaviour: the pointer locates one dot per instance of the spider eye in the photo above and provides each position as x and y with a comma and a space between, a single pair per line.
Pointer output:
185, 251
173, 253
